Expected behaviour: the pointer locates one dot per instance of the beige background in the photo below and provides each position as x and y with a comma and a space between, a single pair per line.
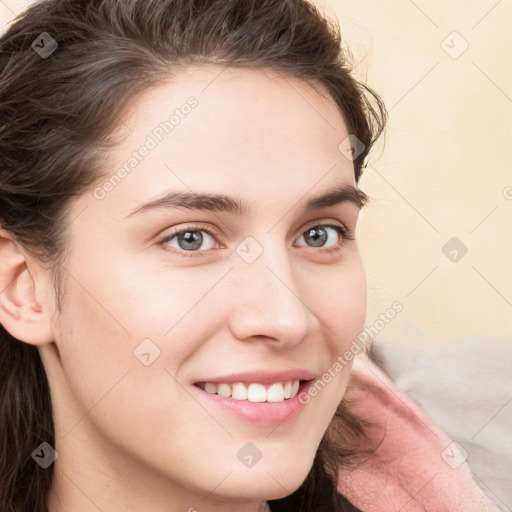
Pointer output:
445, 166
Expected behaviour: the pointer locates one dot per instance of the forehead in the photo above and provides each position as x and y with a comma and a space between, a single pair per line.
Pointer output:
255, 131
235, 109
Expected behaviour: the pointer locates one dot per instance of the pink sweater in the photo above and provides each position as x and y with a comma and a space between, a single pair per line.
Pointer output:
417, 467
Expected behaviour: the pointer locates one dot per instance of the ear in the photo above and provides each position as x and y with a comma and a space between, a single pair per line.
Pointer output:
20, 312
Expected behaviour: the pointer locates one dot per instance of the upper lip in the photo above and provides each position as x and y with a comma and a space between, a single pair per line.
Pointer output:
263, 376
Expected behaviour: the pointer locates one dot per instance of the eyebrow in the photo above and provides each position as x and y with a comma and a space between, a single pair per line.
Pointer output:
235, 206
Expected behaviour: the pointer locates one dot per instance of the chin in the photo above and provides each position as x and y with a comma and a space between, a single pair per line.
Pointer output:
266, 482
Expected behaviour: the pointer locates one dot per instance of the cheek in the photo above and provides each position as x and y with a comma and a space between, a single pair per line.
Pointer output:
94, 348
345, 304
105, 383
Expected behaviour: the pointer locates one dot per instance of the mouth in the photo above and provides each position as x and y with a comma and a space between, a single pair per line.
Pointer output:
263, 405
253, 391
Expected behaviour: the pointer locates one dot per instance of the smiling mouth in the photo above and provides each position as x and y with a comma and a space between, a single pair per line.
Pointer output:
253, 391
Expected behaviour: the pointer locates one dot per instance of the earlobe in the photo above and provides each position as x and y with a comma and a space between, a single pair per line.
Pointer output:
20, 312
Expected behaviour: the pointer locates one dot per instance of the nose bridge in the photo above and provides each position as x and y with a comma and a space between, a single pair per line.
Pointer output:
266, 299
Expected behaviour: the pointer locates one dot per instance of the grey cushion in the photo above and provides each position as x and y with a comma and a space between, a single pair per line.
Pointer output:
465, 386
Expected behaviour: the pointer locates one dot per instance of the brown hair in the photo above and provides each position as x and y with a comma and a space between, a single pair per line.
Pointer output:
58, 112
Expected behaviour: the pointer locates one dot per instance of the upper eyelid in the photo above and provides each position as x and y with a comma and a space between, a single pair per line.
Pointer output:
215, 231
193, 227
325, 223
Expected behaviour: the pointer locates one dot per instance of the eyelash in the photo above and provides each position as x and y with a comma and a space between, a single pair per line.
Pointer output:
344, 233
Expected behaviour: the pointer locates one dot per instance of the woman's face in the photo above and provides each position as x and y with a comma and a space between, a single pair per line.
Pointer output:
147, 313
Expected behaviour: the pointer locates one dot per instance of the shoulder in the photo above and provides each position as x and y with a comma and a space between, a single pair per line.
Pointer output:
415, 466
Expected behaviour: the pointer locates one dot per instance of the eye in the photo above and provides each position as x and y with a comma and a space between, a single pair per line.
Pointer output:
190, 239
320, 234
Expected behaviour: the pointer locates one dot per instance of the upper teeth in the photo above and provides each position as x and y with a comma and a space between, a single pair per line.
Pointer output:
276, 392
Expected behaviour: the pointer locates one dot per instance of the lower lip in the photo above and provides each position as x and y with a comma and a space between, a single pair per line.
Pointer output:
265, 414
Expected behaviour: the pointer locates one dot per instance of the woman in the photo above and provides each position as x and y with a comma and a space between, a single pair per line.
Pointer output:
179, 196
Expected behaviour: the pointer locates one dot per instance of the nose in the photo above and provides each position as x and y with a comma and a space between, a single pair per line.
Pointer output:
268, 302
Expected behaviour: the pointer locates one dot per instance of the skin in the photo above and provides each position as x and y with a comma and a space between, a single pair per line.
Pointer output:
131, 437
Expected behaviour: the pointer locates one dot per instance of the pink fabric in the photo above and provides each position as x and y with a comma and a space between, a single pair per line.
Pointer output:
417, 467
